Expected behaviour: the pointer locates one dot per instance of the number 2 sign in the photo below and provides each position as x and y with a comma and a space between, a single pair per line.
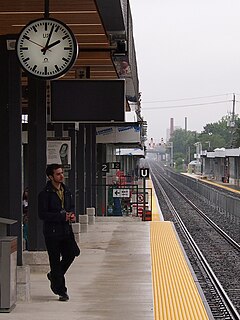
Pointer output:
105, 167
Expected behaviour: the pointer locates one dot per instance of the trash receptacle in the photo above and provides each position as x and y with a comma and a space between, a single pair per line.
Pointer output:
8, 273
147, 216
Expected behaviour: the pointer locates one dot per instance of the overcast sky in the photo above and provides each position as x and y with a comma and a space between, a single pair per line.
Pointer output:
186, 49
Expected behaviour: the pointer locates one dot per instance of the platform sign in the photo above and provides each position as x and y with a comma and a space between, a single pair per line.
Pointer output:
116, 165
139, 197
144, 172
121, 193
105, 167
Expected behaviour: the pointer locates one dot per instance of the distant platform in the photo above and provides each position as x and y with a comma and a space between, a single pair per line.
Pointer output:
224, 185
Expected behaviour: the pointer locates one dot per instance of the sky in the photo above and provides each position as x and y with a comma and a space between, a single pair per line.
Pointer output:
187, 52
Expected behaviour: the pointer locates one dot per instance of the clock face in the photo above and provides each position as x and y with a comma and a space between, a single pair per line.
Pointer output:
46, 48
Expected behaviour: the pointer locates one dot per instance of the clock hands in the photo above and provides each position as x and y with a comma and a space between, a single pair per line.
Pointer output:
38, 44
48, 40
47, 46
52, 44
34, 42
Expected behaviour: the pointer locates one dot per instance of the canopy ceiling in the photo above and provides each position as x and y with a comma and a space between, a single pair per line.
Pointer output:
81, 16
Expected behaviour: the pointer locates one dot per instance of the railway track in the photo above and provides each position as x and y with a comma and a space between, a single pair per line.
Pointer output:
214, 255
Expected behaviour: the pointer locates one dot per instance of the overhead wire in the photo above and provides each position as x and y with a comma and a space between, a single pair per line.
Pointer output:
188, 105
193, 98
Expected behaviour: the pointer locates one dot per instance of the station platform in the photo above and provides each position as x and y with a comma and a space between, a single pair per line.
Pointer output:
225, 185
128, 269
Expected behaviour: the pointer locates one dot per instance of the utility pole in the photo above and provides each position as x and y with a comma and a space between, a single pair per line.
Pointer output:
170, 145
233, 113
232, 121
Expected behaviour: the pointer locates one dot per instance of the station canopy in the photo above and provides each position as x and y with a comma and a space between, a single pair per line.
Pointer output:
84, 20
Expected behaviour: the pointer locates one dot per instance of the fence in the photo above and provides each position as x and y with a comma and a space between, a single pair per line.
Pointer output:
117, 200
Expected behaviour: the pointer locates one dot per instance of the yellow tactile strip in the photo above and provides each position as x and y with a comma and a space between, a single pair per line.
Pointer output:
175, 293
155, 208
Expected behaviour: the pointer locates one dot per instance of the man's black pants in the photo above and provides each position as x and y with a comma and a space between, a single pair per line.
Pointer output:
61, 255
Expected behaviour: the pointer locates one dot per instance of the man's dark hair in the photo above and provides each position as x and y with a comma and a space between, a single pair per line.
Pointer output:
51, 167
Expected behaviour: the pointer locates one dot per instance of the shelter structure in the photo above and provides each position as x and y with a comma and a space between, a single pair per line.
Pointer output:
104, 34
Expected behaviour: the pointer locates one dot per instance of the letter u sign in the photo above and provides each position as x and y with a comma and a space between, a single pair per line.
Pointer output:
144, 173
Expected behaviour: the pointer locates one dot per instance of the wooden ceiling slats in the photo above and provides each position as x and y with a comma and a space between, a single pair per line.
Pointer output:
87, 29
97, 46
77, 30
80, 18
91, 38
104, 77
93, 62
94, 55
10, 20
71, 75
54, 5
102, 68
103, 74
76, 5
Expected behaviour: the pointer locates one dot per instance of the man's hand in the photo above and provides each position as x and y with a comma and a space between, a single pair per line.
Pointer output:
70, 216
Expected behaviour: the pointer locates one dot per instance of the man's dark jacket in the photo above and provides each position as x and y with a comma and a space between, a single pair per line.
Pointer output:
51, 212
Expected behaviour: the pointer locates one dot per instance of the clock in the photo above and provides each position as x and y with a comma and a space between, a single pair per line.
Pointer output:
46, 48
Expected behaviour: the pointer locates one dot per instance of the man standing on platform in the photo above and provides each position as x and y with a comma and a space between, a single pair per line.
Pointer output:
56, 209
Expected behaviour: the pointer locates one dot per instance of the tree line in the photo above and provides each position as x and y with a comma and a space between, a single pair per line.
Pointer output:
222, 134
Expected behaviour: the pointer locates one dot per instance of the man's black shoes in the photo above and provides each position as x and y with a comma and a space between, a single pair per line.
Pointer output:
63, 297
51, 286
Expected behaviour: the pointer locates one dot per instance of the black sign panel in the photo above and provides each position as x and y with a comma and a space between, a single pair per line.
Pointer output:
87, 101
144, 172
105, 167
116, 165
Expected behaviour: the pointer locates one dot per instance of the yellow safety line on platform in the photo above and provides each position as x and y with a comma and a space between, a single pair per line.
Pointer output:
155, 207
175, 293
215, 183
220, 185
